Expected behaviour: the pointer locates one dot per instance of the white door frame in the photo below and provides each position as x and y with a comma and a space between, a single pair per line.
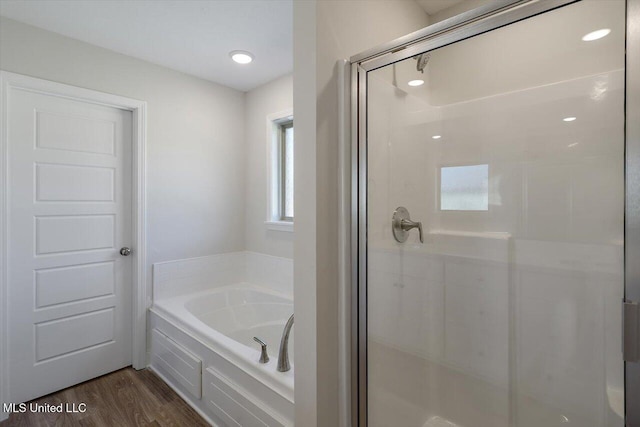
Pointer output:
10, 81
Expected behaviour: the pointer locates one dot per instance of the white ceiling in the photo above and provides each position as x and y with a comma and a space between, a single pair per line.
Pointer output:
194, 37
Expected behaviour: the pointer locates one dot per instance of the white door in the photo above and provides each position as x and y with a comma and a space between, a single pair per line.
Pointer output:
69, 215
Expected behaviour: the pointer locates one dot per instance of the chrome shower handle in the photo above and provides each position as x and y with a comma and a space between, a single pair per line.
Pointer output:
401, 224
264, 357
407, 224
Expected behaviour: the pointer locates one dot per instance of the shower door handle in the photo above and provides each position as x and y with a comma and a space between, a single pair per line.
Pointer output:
401, 224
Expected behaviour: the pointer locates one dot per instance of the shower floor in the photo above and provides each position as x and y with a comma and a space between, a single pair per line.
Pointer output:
414, 392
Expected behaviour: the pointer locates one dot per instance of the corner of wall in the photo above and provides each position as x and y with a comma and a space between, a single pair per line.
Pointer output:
304, 104
342, 29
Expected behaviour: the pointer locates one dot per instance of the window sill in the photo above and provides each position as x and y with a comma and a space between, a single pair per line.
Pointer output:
286, 226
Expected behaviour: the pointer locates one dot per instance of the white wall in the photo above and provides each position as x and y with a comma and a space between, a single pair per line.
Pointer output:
325, 32
273, 97
195, 145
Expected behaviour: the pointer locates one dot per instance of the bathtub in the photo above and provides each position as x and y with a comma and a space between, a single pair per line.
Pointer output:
212, 332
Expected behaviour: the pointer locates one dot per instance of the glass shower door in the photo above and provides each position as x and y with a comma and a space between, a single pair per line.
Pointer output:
495, 226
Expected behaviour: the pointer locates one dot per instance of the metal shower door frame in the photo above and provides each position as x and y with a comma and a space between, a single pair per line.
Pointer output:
463, 26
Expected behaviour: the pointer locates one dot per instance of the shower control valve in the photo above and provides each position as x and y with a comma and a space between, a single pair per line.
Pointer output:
401, 224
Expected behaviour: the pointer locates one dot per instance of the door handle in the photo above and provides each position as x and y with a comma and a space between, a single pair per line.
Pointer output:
401, 224
125, 251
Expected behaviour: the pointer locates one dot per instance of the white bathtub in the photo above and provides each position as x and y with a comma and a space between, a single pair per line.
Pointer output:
216, 327
241, 313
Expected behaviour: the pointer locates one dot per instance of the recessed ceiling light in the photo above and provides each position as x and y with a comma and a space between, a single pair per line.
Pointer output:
572, 145
416, 83
569, 119
436, 136
241, 57
595, 35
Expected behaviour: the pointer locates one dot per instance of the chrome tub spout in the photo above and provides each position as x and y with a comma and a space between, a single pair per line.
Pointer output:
283, 354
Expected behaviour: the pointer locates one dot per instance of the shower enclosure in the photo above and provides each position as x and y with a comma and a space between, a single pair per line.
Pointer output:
489, 241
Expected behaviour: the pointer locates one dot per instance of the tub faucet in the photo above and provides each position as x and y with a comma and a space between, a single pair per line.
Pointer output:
283, 355
264, 357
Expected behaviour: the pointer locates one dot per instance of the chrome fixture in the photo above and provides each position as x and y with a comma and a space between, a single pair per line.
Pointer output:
401, 224
125, 251
422, 61
264, 357
283, 355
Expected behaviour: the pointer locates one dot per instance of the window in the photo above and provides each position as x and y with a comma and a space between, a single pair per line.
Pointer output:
280, 146
464, 188
285, 169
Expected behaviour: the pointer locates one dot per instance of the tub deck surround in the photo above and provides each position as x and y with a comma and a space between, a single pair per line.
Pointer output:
234, 386
173, 278
223, 329
205, 314
244, 311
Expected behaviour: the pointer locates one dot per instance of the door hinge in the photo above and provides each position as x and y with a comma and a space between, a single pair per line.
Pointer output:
631, 331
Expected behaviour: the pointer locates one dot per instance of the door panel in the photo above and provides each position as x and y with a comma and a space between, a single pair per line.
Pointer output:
511, 155
69, 214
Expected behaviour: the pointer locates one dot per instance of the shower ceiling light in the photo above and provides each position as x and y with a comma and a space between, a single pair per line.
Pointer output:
595, 35
241, 57
416, 83
569, 119
436, 136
